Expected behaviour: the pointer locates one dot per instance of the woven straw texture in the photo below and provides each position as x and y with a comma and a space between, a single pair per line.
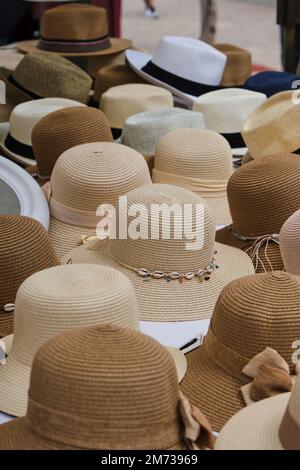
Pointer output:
159, 300
55, 300
254, 191
238, 66
251, 314
202, 155
87, 176
114, 75
25, 248
290, 244
64, 129
98, 388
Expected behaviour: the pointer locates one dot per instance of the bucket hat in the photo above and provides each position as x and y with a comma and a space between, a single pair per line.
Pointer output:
252, 192
199, 160
271, 82
289, 242
83, 178
104, 387
25, 248
238, 67
267, 305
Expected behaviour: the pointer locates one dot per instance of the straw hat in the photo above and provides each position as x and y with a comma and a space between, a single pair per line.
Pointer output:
238, 66
59, 299
198, 160
166, 299
97, 62
63, 129
267, 305
105, 387
13, 96
289, 239
225, 111
254, 191
120, 102
75, 30
25, 248
271, 82
15, 135
272, 127
246, 158
271, 424
83, 178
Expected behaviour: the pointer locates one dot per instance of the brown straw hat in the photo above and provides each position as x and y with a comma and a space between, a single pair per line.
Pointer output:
238, 66
75, 30
83, 178
105, 387
63, 129
253, 193
182, 284
289, 242
251, 314
13, 96
199, 160
25, 248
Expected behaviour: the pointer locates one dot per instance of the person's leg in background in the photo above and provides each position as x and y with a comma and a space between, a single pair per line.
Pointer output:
12, 14
208, 20
150, 10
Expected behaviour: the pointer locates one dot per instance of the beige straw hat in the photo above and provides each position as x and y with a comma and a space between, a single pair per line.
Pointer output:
75, 30
120, 102
273, 127
83, 178
105, 387
254, 191
59, 299
251, 314
238, 67
25, 248
199, 160
289, 242
182, 284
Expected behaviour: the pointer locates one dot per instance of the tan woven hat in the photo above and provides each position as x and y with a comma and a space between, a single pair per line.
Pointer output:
25, 248
251, 314
253, 193
172, 283
289, 239
83, 178
199, 160
105, 387
238, 67
272, 127
75, 30
63, 129
120, 102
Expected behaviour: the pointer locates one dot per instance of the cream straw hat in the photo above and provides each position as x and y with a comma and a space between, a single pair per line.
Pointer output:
289, 242
59, 299
178, 293
199, 160
83, 178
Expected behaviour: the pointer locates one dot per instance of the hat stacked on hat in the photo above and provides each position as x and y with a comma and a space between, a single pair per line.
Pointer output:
289, 239
262, 195
104, 387
238, 67
176, 276
272, 82
63, 129
84, 178
251, 314
25, 248
15, 136
199, 160
225, 111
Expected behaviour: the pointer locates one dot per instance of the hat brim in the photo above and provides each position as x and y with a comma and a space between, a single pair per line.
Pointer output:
117, 45
180, 362
24, 161
163, 301
255, 427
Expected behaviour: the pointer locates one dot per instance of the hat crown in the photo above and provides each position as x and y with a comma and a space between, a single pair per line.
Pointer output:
68, 296
255, 189
290, 244
154, 251
124, 391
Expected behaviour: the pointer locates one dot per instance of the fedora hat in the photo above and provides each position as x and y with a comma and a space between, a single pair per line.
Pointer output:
185, 66
83, 178
75, 30
272, 82
254, 191
267, 305
97, 62
105, 387
270, 424
25, 248
13, 96
59, 299
272, 127
238, 67
61, 130
120, 102
172, 283
221, 116
289, 242
199, 160
15, 135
